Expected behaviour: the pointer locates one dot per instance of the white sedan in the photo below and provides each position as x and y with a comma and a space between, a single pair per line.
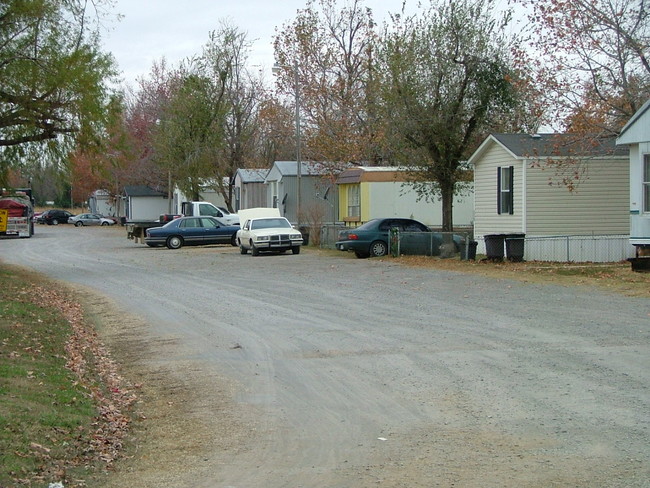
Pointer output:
274, 234
90, 219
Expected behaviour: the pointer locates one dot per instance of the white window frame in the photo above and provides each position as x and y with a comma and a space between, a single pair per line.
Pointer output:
645, 185
354, 201
505, 190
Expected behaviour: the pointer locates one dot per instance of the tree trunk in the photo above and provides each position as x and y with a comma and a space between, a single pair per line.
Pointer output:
447, 208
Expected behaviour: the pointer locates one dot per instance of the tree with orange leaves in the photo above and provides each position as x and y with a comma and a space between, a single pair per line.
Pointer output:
592, 58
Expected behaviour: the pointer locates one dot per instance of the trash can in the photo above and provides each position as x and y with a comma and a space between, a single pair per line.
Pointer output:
304, 230
468, 251
515, 247
494, 246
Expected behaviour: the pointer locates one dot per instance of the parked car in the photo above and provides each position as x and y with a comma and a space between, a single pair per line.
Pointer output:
372, 238
90, 219
191, 231
275, 234
55, 217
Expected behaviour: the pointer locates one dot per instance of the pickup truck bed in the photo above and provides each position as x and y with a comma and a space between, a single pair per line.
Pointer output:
137, 231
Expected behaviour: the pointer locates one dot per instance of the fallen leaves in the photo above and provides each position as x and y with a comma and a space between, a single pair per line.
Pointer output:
88, 359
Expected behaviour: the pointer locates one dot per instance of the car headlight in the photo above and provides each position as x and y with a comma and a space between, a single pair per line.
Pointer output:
295, 236
262, 238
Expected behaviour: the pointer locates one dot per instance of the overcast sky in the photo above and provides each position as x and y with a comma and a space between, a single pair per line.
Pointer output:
153, 29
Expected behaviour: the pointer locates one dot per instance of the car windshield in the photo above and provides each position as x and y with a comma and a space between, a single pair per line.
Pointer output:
270, 223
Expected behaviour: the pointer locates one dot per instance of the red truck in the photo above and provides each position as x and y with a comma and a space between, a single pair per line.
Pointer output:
16, 213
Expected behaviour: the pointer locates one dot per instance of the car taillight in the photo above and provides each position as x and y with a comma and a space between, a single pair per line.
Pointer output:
353, 237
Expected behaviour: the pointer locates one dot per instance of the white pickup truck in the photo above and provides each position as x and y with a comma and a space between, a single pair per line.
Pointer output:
264, 230
207, 209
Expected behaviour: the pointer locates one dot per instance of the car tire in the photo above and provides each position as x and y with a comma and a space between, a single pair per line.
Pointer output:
104, 223
175, 242
242, 250
78, 224
55, 222
254, 251
295, 249
378, 249
233, 240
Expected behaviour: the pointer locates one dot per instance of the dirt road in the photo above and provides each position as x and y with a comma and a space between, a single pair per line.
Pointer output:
324, 371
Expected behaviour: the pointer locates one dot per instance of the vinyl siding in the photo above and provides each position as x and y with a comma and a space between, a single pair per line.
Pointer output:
486, 218
395, 199
598, 206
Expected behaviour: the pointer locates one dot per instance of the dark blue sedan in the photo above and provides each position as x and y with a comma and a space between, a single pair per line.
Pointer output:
373, 238
192, 231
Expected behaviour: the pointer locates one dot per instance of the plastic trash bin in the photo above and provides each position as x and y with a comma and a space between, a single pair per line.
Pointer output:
515, 247
494, 246
468, 251
304, 230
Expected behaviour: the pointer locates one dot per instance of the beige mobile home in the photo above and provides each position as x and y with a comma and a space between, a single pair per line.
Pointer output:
517, 192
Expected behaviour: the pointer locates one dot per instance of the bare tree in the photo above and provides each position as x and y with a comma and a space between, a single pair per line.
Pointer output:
327, 54
592, 59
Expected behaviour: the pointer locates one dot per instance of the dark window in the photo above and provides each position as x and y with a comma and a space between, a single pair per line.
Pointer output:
505, 184
413, 226
389, 224
191, 223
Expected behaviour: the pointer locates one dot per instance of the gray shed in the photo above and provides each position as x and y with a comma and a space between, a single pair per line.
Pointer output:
250, 189
318, 192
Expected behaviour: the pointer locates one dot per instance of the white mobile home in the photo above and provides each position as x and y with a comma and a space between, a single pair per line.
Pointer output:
636, 135
368, 192
144, 203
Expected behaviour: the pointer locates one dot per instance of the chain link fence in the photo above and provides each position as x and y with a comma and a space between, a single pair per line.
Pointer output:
434, 243
579, 248
568, 248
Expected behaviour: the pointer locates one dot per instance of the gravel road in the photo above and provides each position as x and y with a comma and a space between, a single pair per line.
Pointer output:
325, 371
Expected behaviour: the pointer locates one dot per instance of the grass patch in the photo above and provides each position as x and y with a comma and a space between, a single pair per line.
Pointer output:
52, 388
45, 411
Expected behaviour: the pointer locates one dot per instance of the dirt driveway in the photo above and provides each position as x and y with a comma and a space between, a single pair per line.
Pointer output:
320, 371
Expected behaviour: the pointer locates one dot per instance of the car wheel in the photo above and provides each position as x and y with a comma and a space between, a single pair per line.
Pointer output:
55, 222
78, 224
104, 223
233, 240
360, 255
242, 250
378, 248
174, 242
295, 249
254, 251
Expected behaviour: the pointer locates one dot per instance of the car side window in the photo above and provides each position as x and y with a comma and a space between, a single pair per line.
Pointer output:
412, 226
386, 225
190, 223
209, 223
